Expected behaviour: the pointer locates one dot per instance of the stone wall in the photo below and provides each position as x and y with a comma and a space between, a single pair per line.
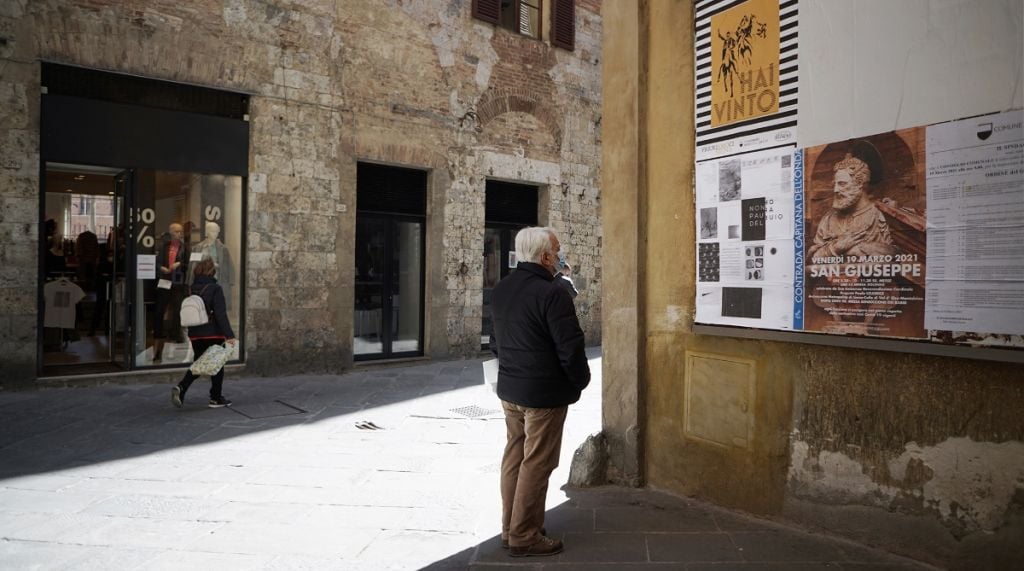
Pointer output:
414, 84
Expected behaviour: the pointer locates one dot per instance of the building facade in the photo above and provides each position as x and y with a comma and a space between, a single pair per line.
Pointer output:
356, 169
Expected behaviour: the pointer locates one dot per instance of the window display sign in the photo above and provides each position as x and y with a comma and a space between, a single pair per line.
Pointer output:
911, 234
145, 268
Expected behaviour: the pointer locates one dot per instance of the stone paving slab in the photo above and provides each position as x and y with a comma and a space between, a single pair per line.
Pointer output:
114, 477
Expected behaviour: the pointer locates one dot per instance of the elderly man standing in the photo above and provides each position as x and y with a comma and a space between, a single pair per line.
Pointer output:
542, 370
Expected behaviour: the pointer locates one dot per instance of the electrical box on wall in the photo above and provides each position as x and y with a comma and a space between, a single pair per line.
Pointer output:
719, 399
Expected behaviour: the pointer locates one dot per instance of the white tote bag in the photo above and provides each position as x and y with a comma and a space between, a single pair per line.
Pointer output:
491, 374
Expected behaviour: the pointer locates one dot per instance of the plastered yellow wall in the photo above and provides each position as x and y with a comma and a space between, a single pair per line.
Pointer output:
919, 454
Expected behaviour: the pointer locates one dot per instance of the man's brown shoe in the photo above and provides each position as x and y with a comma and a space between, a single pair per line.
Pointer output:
504, 540
546, 546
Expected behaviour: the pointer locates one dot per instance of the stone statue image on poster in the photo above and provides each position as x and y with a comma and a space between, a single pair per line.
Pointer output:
212, 247
865, 223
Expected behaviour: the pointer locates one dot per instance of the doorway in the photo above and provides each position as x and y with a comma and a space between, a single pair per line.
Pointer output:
84, 277
509, 208
390, 257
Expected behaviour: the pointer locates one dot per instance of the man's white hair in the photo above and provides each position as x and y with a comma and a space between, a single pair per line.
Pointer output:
531, 243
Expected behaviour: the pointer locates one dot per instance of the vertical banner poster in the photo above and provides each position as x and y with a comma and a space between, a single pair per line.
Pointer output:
745, 210
976, 228
746, 75
865, 236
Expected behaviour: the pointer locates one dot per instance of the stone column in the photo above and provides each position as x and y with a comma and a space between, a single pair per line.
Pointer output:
622, 188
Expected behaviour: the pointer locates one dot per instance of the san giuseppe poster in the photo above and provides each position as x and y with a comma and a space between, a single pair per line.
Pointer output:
865, 236
745, 271
746, 75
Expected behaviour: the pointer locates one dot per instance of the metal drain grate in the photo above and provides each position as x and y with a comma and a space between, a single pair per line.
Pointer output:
473, 411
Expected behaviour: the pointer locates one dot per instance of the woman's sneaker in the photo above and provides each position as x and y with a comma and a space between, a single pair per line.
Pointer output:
177, 395
219, 402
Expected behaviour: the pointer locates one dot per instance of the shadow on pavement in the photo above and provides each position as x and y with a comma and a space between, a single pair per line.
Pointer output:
57, 429
624, 529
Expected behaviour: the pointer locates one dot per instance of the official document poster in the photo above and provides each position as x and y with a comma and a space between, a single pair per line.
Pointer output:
976, 225
746, 75
745, 211
865, 228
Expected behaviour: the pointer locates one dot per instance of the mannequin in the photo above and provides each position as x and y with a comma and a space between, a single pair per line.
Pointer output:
171, 258
211, 247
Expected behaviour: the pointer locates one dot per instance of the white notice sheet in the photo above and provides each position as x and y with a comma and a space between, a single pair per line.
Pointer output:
745, 214
975, 273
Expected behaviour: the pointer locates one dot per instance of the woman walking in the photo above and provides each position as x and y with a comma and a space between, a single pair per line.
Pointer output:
216, 331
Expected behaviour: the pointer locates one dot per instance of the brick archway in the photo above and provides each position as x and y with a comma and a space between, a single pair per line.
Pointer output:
499, 102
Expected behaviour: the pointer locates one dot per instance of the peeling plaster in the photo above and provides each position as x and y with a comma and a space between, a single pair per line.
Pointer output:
674, 317
969, 484
973, 481
486, 59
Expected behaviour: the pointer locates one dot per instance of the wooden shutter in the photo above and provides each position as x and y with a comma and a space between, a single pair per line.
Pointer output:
487, 10
563, 24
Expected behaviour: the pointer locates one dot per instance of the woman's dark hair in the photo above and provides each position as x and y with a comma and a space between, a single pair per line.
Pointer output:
205, 268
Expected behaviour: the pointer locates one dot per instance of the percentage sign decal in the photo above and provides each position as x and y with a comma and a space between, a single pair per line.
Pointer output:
146, 217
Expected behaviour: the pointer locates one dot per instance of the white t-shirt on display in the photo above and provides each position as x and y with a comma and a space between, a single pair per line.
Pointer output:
61, 297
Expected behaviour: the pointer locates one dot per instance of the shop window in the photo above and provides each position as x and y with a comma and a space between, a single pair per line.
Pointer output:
143, 180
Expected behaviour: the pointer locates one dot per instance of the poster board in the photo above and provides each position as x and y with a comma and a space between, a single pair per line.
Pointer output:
915, 234
927, 253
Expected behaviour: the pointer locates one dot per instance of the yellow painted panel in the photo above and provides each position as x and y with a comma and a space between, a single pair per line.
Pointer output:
719, 399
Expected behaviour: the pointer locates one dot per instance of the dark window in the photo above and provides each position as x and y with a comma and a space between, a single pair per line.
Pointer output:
132, 90
393, 190
92, 117
510, 203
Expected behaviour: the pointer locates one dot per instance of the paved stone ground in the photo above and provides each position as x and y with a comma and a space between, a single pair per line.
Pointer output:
292, 477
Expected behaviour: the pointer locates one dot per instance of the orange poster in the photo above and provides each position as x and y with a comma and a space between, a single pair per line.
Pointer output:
745, 62
866, 228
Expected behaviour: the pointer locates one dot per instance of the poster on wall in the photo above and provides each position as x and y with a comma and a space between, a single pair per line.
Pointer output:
913, 234
745, 210
746, 75
865, 236
975, 274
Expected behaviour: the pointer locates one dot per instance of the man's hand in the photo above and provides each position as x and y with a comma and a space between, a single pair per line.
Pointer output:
231, 341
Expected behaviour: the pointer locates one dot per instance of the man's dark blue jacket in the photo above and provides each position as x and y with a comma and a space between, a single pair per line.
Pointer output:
537, 339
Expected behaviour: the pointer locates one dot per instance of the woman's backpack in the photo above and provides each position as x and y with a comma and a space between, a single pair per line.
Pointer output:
193, 310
